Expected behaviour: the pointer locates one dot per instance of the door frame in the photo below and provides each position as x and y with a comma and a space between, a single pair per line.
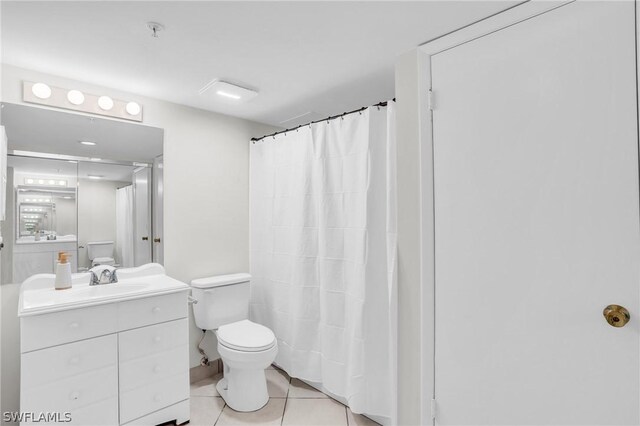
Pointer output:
429, 99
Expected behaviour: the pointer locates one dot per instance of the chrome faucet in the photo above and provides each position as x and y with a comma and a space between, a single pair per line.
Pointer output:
106, 277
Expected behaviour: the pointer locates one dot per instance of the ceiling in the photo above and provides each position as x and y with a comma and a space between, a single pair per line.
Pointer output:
307, 59
45, 130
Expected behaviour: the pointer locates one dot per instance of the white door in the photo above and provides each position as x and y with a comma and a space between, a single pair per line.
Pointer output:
536, 222
142, 216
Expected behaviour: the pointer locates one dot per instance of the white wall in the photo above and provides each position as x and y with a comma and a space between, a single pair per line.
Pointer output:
206, 171
66, 220
96, 214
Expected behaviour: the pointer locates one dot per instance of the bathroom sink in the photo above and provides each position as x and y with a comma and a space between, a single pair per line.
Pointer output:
83, 293
38, 294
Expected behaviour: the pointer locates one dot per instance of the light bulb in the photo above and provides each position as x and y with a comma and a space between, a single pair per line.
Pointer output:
133, 108
41, 90
76, 97
105, 103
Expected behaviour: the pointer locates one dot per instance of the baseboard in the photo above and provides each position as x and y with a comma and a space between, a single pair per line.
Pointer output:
201, 372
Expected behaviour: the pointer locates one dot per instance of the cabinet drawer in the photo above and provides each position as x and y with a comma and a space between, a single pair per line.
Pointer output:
72, 393
153, 339
153, 368
152, 397
103, 413
56, 363
152, 310
42, 331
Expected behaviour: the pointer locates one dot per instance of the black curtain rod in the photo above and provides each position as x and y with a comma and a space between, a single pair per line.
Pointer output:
333, 117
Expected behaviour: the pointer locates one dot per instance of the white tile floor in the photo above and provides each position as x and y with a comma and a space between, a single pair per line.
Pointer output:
291, 403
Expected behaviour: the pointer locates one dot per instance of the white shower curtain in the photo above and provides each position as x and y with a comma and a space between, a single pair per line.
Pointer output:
323, 254
124, 226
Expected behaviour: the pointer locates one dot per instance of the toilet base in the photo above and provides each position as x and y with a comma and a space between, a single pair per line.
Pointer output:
249, 401
244, 385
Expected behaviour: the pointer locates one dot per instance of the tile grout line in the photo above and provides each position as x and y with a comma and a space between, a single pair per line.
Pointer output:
220, 415
284, 409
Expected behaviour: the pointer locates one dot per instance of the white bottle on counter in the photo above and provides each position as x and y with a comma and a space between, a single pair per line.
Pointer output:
63, 272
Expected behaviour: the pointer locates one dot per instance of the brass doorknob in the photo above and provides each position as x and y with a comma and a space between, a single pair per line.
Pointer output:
616, 315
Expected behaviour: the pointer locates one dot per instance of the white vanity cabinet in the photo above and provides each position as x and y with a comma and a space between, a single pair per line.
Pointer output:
122, 362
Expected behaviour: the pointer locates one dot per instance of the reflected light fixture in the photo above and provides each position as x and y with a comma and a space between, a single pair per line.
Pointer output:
76, 97
95, 176
88, 143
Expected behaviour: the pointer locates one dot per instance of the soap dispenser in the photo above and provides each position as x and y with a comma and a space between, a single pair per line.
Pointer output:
63, 272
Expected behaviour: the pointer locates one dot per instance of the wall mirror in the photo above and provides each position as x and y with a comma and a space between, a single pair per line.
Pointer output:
88, 186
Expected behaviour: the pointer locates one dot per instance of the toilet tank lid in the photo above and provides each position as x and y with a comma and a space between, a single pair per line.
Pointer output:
220, 280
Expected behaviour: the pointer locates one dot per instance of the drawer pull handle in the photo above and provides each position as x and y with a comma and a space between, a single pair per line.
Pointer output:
157, 339
155, 310
74, 325
75, 360
156, 369
157, 397
74, 396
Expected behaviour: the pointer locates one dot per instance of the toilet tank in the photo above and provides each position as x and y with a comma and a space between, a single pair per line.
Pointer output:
221, 300
99, 249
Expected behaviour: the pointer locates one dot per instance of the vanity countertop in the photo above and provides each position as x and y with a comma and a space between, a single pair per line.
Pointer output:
43, 240
38, 295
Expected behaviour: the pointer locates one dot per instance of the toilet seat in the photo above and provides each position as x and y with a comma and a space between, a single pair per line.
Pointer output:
103, 261
246, 336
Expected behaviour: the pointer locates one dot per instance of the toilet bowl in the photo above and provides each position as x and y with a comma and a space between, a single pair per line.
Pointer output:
245, 347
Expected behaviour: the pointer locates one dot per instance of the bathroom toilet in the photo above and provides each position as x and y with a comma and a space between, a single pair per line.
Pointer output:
246, 348
101, 253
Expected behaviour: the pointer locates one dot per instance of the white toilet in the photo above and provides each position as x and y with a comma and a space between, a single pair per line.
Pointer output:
101, 253
246, 348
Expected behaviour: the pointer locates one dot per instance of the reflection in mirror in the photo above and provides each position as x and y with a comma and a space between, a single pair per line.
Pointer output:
44, 212
84, 185
114, 215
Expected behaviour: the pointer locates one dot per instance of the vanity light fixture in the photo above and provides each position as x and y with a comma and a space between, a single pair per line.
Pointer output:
88, 143
41, 90
76, 100
76, 97
105, 103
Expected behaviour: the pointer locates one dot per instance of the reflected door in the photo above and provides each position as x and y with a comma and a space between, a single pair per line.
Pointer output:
158, 210
536, 222
142, 214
